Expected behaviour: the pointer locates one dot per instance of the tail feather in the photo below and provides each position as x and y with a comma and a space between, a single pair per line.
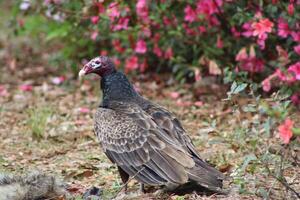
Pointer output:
206, 176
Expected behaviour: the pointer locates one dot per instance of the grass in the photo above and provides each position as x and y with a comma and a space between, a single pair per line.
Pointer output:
38, 119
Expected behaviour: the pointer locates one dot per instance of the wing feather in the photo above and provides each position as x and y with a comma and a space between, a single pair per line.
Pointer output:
133, 141
202, 172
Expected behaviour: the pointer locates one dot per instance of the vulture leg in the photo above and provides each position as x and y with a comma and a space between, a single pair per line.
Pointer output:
124, 177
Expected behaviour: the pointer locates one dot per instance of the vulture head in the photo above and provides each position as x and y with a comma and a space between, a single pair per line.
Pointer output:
100, 65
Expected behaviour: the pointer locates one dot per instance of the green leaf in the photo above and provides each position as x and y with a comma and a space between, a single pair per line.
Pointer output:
239, 88
296, 131
60, 32
247, 160
235, 88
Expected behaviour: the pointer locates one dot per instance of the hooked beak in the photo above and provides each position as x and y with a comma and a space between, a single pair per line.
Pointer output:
85, 70
81, 73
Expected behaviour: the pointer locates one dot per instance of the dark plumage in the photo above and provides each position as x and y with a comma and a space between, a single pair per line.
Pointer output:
143, 138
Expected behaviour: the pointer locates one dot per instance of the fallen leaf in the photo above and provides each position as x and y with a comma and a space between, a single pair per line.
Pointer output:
198, 103
58, 80
179, 102
174, 95
85, 174
84, 110
26, 87
3, 91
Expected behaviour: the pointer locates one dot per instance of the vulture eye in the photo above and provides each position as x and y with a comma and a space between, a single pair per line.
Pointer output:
97, 62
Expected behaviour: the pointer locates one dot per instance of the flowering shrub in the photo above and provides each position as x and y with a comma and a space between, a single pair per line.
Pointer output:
256, 41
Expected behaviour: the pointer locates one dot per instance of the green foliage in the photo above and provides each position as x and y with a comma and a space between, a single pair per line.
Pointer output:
179, 36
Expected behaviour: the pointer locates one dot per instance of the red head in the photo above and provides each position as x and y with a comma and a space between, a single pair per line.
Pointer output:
100, 65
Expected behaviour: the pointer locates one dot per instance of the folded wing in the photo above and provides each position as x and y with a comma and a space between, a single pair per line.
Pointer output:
136, 143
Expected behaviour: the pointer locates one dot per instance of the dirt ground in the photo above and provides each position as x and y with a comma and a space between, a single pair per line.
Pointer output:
50, 129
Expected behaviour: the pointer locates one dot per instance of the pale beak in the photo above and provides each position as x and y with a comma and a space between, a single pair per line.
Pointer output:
81, 73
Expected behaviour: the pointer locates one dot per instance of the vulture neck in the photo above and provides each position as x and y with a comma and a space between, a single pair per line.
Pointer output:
116, 87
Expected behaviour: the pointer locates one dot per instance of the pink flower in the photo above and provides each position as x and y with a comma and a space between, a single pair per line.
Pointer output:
296, 98
201, 29
167, 21
174, 95
291, 9
198, 103
3, 91
261, 41
208, 7
295, 68
248, 31
156, 37
58, 80
181, 103
262, 27
137, 87
142, 11
249, 62
94, 35
189, 30
113, 11
117, 62
121, 25
131, 64
157, 51
94, 19
190, 14
84, 110
235, 33
242, 55
197, 74
252, 65
146, 31
169, 53
143, 65
26, 87
100, 6
213, 21
266, 85
80, 122
286, 77
103, 53
213, 68
283, 56
283, 28
296, 36
258, 14
21, 22
219, 42
297, 49
141, 46
281, 75
285, 130
117, 46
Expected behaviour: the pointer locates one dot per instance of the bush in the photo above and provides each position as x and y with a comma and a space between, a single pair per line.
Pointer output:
248, 41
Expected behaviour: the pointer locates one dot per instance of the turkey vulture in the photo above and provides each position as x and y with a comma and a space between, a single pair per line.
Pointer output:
144, 139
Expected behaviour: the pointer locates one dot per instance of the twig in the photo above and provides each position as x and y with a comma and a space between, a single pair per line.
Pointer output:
124, 185
282, 181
